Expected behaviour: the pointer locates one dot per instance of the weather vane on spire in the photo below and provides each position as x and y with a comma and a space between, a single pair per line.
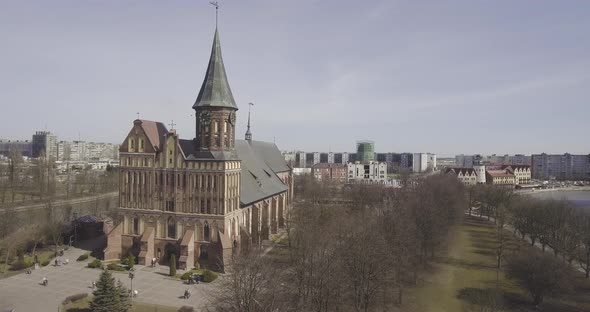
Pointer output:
216, 5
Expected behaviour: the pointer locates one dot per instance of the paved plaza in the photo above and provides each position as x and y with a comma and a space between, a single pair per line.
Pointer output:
24, 292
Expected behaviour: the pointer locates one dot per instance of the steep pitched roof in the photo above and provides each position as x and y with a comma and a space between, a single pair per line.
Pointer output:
271, 155
215, 90
155, 132
259, 180
464, 171
499, 173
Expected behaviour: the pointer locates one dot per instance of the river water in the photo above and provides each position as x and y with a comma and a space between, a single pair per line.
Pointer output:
580, 199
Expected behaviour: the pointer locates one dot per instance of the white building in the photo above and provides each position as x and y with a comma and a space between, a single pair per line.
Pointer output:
330, 157
302, 159
373, 172
419, 162
345, 158
431, 161
480, 171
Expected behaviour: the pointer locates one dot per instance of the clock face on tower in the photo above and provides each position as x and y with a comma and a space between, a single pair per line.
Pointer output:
232, 118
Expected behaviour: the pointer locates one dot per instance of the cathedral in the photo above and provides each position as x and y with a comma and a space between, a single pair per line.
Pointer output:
203, 199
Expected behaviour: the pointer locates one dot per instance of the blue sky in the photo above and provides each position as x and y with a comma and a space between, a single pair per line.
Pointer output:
434, 76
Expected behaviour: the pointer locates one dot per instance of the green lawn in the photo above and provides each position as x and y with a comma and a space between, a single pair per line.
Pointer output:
465, 279
84, 306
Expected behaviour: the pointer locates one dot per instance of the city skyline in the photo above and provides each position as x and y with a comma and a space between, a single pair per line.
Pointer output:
463, 78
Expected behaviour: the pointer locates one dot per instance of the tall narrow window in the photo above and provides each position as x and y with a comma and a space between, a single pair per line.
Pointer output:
171, 228
136, 225
206, 233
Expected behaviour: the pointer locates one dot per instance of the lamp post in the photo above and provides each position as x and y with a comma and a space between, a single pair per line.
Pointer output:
131, 276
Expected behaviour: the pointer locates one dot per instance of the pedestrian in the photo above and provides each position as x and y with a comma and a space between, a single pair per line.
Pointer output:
56, 262
93, 284
44, 282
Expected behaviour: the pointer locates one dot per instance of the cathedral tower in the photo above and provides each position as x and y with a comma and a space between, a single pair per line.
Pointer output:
215, 108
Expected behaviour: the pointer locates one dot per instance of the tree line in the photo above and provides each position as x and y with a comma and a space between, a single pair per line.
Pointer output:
39, 180
356, 246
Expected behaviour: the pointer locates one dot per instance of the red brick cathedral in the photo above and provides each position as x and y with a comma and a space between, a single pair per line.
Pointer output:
201, 199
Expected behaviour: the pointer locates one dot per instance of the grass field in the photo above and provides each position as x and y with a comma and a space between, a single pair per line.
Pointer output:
466, 278
84, 306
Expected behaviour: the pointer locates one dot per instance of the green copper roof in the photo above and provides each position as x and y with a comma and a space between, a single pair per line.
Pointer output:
215, 90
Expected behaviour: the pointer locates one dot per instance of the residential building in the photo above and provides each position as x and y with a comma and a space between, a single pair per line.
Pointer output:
44, 142
522, 173
22, 146
501, 178
467, 176
371, 172
560, 167
406, 161
330, 172
467, 161
204, 198
330, 158
301, 160
419, 162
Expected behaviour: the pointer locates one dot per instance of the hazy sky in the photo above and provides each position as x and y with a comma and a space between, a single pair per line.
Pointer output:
434, 76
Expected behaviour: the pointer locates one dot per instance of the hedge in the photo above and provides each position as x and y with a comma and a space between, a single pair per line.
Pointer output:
83, 257
45, 262
95, 264
186, 309
209, 276
115, 267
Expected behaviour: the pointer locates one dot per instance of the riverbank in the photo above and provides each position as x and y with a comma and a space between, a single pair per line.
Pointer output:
556, 189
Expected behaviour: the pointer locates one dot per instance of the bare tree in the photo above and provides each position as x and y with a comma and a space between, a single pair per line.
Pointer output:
540, 274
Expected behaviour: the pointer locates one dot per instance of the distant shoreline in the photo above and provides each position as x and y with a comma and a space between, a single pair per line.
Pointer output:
557, 189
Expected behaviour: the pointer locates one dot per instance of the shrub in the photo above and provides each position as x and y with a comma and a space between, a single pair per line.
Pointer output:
95, 264
22, 264
186, 309
115, 267
125, 261
188, 274
74, 298
130, 261
173, 265
209, 276
45, 262
83, 257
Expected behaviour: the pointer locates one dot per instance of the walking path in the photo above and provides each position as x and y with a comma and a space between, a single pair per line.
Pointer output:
24, 292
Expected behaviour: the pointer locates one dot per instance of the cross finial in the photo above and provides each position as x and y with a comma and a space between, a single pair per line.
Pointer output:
137, 115
172, 124
216, 5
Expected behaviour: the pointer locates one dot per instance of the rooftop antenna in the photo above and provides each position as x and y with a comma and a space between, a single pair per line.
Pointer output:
216, 5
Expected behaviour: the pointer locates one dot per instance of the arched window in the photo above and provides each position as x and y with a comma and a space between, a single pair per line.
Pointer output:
136, 225
171, 227
206, 233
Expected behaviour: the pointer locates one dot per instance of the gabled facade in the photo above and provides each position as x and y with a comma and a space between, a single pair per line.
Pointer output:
467, 176
202, 199
522, 173
501, 178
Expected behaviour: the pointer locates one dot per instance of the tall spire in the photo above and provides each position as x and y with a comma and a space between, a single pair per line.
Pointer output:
248, 133
215, 90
